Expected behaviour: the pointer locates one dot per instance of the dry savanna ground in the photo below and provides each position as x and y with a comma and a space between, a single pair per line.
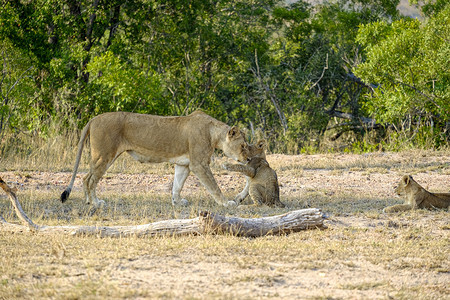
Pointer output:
364, 254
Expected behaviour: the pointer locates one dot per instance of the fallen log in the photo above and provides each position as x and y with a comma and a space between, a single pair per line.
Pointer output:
292, 221
206, 223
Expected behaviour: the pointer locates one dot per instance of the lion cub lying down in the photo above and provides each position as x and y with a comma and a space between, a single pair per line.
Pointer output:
262, 182
417, 197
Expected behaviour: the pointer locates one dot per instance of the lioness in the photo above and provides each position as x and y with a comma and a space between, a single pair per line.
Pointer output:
187, 141
262, 182
417, 197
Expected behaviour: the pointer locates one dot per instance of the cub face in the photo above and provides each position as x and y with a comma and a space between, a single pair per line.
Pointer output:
400, 189
258, 149
235, 146
408, 185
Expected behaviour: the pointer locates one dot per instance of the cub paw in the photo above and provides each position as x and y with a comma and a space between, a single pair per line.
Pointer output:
226, 166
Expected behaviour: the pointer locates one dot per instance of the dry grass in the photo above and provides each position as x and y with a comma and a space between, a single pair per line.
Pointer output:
363, 255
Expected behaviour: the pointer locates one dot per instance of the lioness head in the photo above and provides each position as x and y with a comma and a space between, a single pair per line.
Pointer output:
407, 184
235, 145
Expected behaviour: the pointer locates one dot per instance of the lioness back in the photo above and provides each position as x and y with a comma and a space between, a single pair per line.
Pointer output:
157, 138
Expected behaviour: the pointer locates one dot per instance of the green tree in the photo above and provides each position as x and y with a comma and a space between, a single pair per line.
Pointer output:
409, 61
17, 98
307, 80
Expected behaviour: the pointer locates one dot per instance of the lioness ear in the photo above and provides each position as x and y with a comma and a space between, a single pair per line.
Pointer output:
234, 132
261, 144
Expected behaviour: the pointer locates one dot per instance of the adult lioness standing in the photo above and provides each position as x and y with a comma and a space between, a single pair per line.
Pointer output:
187, 141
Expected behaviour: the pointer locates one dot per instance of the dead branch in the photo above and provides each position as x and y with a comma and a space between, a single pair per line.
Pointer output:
206, 223
363, 120
17, 207
358, 80
323, 73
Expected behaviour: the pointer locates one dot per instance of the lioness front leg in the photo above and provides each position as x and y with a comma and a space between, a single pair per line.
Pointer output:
206, 177
249, 172
242, 195
181, 173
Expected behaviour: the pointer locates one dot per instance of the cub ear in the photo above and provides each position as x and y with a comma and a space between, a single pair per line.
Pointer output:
234, 132
261, 144
406, 179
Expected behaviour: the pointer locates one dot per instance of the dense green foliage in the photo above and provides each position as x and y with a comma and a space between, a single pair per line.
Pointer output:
290, 73
410, 62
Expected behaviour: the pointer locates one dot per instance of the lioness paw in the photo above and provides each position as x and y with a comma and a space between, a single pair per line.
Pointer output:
180, 202
240, 197
230, 204
99, 203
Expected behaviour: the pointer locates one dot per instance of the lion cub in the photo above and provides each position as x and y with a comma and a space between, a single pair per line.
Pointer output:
417, 197
262, 181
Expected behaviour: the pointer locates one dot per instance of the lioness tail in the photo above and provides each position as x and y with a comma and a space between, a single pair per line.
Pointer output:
84, 135
65, 194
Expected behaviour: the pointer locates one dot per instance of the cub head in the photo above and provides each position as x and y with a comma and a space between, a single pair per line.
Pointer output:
235, 145
258, 149
407, 185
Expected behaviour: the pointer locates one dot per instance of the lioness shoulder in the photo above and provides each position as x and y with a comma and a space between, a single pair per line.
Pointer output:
417, 197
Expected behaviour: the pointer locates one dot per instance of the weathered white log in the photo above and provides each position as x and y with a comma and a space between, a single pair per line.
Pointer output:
161, 228
292, 221
206, 223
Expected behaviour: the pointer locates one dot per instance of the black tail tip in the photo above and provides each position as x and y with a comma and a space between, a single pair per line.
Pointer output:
65, 195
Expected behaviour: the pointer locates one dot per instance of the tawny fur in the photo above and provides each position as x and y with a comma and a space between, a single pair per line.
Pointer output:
417, 197
262, 182
187, 141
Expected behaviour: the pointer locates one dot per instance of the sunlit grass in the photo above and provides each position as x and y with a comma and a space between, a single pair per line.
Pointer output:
363, 254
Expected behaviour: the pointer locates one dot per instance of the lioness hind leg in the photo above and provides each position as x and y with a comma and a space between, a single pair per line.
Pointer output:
98, 169
397, 208
90, 184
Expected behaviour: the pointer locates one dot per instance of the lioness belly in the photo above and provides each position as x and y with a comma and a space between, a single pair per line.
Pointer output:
182, 160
